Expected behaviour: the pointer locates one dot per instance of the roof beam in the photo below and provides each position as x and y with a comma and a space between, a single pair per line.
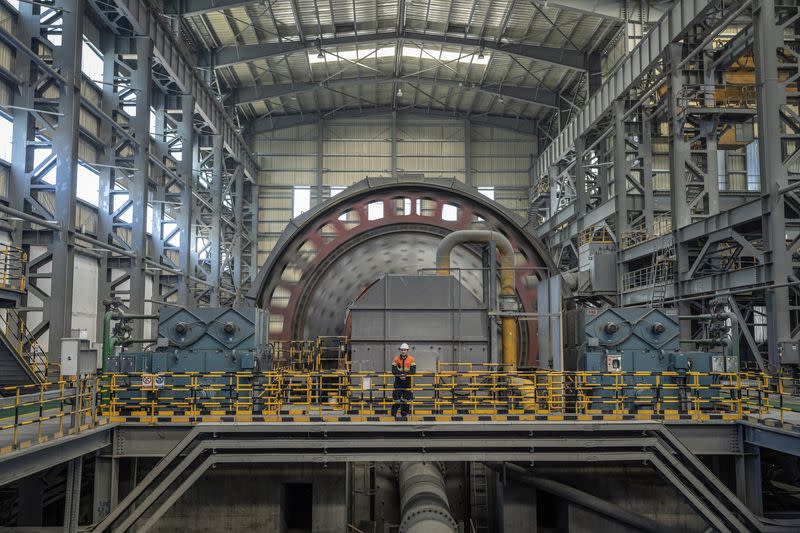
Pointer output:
614, 9
231, 55
536, 95
191, 8
279, 122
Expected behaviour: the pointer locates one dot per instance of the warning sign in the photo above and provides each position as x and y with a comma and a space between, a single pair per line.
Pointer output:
160, 381
147, 381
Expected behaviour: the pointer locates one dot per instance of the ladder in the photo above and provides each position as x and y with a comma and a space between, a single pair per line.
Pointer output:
662, 269
479, 497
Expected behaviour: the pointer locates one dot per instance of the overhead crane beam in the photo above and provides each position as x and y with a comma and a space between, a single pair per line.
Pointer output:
536, 95
231, 55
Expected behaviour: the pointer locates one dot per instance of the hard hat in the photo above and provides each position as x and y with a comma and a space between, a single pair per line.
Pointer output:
404, 346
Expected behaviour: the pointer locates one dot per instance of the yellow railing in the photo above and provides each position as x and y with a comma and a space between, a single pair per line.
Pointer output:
720, 96
595, 235
32, 414
475, 391
662, 225
13, 264
24, 343
313, 355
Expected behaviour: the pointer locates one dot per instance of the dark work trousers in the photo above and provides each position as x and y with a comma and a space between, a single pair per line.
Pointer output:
401, 397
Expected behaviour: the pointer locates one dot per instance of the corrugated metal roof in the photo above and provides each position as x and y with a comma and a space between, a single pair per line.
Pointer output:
427, 67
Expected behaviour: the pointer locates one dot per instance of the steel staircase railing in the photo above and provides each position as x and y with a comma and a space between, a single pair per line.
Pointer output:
24, 344
13, 262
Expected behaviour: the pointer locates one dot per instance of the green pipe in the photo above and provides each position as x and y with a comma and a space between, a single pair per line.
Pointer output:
109, 341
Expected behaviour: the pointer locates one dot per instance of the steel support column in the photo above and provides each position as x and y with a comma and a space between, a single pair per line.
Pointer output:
646, 156
768, 44
679, 150
67, 58
216, 207
320, 171
184, 219
103, 481
748, 479
393, 137
552, 177
239, 235
72, 503
468, 152
138, 187
582, 196
679, 203
254, 263
620, 170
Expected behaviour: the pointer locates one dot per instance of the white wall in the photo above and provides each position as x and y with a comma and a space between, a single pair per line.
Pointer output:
356, 148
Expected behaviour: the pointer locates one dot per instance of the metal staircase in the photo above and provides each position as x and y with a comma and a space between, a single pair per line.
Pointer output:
22, 360
662, 269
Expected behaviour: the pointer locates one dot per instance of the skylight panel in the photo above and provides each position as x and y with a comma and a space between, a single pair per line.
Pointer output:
478, 57
350, 55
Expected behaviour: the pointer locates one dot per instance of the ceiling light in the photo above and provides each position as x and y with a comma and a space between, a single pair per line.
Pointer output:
320, 55
480, 54
500, 99
400, 92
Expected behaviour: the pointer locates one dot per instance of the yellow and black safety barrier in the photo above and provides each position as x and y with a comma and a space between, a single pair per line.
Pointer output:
475, 393
35, 413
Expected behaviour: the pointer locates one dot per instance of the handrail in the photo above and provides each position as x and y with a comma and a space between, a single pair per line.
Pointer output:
25, 344
13, 268
54, 409
268, 396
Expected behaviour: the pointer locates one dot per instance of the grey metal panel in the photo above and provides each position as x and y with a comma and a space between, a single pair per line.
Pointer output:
19, 464
436, 315
772, 438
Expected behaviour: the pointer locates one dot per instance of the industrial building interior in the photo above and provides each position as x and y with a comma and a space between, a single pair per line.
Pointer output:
402, 266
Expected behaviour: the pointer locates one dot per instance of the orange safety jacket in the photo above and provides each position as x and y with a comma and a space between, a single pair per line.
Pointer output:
400, 366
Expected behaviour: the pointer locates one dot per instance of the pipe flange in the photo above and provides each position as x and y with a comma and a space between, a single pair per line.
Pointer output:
425, 514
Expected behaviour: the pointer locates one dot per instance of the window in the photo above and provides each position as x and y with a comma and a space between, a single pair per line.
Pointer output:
14, 4
336, 190
6, 137
753, 169
407, 206
87, 187
149, 220
375, 210
54, 32
92, 63
449, 212
153, 123
301, 200
722, 170
487, 192
170, 226
119, 201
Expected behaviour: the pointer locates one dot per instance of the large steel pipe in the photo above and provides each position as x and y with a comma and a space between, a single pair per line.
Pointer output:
507, 277
423, 500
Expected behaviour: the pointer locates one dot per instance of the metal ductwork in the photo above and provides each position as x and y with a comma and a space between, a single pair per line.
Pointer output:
423, 500
507, 279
